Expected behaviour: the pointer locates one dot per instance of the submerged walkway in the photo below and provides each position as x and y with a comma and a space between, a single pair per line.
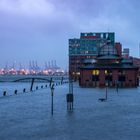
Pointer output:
28, 116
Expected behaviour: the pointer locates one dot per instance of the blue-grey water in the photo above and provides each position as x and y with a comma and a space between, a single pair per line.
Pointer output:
27, 116
10, 87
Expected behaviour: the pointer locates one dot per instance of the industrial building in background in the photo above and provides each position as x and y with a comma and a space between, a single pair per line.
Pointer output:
51, 68
95, 59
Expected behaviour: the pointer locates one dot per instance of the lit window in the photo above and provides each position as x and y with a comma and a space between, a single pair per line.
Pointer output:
78, 73
95, 72
106, 72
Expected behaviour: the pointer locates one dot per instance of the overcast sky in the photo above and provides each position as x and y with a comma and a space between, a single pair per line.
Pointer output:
40, 29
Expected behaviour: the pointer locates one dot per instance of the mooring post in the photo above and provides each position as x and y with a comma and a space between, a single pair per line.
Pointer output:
15, 92
31, 88
4, 93
24, 90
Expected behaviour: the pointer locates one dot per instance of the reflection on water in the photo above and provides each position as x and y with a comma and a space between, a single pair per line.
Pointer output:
28, 116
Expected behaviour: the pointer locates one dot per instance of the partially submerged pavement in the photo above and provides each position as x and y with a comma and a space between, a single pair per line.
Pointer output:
28, 116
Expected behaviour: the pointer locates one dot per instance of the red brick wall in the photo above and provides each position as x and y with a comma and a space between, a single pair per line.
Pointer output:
102, 78
86, 77
130, 78
114, 76
119, 48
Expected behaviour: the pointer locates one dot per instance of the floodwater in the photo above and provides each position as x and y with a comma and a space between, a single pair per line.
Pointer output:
27, 116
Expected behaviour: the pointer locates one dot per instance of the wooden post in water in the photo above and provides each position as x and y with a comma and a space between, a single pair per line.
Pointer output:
24, 90
31, 88
15, 92
4, 93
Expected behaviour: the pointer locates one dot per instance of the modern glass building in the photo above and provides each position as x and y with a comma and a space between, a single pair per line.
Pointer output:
86, 48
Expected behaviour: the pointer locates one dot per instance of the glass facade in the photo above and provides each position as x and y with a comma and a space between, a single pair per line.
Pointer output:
90, 43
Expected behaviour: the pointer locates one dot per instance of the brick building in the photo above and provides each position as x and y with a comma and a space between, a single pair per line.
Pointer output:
96, 60
84, 49
109, 68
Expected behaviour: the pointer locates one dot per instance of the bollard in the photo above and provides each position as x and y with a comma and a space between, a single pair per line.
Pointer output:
24, 90
41, 86
15, 92
4, 93
36, 87
32, 83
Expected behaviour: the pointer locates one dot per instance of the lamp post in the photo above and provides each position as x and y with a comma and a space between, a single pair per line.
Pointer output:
117, 86
52, 93
104, 99
106, 90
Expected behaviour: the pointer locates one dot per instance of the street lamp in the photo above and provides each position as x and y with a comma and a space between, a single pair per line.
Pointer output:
106, 90
117, 86
52, 93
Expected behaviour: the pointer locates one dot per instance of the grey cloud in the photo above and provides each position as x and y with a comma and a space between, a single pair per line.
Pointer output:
42, 33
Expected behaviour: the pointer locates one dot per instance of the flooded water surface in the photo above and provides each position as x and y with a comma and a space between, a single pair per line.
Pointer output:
27, 116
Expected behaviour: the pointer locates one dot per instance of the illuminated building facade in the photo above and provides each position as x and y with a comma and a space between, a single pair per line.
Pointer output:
109, 69
86, 48
96, 60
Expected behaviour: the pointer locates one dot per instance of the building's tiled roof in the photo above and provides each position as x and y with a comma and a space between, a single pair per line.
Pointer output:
127, 61
109, 66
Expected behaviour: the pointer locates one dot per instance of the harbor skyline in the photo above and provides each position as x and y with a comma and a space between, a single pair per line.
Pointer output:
33, 67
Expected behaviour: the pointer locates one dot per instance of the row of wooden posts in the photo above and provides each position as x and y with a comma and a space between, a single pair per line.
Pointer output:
37, 87
69, 96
